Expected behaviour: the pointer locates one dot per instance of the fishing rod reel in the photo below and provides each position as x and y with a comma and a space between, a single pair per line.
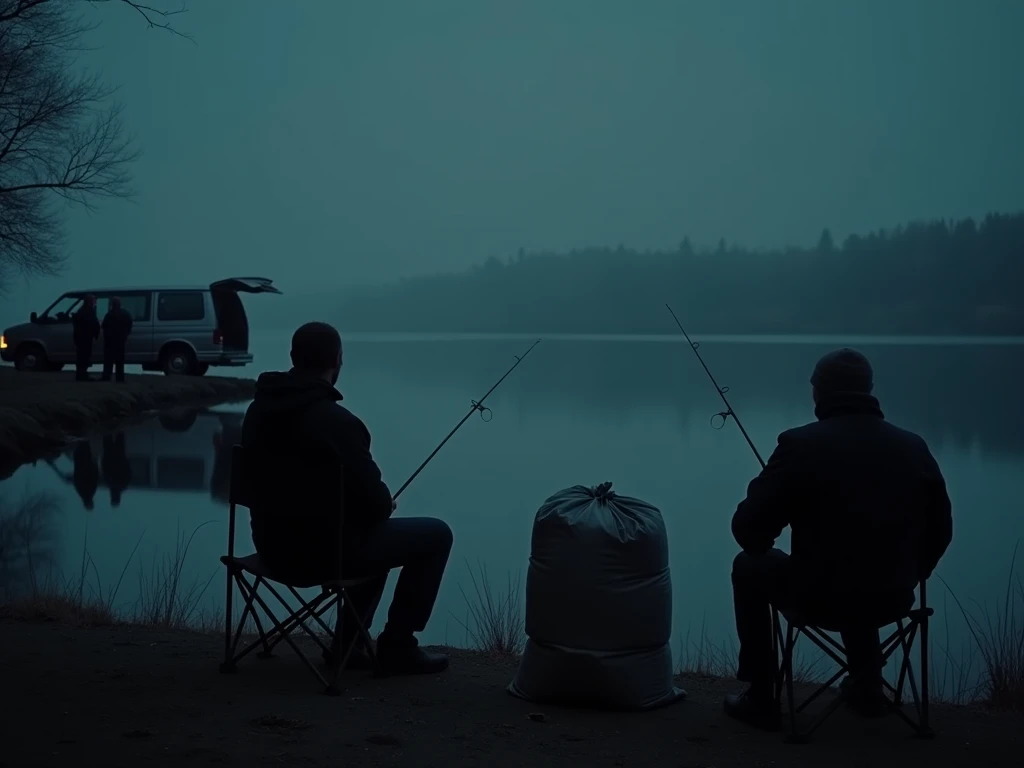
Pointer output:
476, 406
723, 415
486, 414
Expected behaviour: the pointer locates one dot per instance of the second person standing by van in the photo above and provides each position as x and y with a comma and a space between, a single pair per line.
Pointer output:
117, 327
85, 329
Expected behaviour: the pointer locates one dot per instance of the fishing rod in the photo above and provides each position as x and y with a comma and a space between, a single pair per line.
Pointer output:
477, 406
695, 346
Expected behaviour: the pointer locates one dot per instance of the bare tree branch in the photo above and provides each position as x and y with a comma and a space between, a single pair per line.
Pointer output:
155, 17
61, 136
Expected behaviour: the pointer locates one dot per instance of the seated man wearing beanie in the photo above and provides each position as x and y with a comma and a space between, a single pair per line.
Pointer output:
869, 516
297, 411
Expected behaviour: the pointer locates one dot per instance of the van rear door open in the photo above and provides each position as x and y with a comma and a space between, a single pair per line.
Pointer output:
245, 285
231, 318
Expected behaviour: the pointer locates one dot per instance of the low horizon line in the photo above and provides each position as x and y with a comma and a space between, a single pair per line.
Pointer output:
668, 338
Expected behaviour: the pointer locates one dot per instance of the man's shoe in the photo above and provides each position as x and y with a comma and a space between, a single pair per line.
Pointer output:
407, 658
758, 711
414, 661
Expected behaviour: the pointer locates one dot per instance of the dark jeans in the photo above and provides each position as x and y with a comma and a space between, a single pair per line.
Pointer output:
113, 361
760, 581
83, 357
420, 547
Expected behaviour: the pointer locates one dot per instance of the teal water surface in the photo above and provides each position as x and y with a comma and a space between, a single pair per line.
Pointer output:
579, 411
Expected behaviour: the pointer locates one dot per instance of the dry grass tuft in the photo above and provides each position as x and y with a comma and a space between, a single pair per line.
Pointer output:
495, 621
999, 638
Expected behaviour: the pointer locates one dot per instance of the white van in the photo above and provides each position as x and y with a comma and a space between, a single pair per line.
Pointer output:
179, 330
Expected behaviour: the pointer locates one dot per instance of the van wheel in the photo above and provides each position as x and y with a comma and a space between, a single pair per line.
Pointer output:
31, 357
177, 360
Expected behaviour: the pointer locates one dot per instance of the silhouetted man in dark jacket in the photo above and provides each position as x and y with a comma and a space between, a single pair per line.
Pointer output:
299, 410
85, 328
870, 517
117, 327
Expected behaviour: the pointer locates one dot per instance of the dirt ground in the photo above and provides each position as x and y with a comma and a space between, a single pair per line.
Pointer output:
130, 696
40, 412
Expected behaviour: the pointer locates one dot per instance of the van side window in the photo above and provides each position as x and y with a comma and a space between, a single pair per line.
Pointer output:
137, 305
181, 305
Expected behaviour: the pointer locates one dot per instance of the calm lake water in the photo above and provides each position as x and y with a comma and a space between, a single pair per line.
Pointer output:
578, 411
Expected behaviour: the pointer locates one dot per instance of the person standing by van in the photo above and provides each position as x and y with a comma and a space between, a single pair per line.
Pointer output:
85, 329
117, 327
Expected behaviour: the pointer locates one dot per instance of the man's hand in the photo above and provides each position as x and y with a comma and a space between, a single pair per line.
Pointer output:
394, 505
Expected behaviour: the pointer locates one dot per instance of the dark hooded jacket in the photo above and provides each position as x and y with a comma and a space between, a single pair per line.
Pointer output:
117, 327
865, 500
296, 413
85, 325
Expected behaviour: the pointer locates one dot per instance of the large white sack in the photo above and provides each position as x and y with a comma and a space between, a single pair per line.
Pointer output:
598, 603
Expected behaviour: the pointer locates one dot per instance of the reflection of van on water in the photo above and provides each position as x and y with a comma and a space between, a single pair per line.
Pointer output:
183, 451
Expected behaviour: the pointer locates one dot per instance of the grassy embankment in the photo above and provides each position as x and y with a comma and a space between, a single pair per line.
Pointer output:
41, 412
493, 624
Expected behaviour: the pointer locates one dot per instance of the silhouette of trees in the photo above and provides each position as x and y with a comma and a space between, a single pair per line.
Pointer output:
61, 138
937, 277
825, 244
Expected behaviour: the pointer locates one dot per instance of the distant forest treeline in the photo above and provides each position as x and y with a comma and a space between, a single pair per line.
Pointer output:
940, 277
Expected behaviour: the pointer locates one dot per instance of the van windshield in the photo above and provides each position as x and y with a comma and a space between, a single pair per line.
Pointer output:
61, 311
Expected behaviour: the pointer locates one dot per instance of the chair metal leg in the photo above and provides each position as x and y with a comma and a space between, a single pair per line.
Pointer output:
312, 610
829, 710
364, 632
287, 637
907, 642
794, 736
263, 638
337, 653
337, 659
776, 633
227, 665
925, 730
245, 589
913, 626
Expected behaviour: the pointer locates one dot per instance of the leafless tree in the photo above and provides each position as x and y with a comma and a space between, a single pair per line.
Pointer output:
62, 141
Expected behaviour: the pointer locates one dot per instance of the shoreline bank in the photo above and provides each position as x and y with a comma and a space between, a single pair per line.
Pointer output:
41, 412
135, 694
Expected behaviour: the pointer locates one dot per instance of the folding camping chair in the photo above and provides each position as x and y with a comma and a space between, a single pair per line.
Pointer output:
902, 639
255, 481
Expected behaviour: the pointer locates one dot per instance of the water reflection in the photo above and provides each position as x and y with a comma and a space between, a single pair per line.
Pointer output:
117, 469
636, 413
182, 451
947, 394
28, 540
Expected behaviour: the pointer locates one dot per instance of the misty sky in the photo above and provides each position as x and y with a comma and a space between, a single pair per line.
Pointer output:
329, 142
